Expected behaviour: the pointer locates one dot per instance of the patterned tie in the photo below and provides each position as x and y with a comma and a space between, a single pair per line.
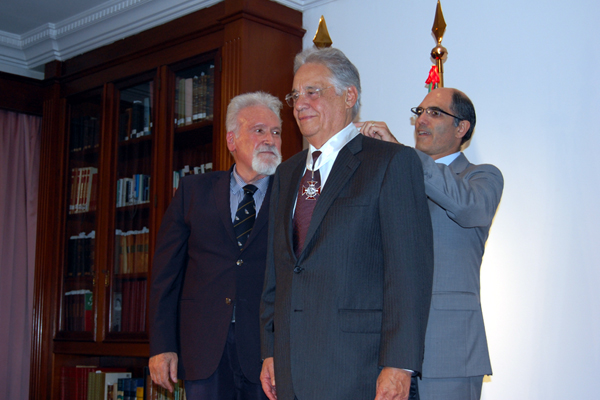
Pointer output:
308, 194
245, 216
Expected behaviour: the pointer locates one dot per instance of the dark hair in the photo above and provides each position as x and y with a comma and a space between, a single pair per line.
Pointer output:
343, 73
463, 107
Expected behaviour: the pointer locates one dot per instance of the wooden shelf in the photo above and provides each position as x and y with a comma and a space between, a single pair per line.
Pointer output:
236, 37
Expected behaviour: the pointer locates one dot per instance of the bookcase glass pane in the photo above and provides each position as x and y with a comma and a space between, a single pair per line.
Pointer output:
194, 105
132, 210
82, 199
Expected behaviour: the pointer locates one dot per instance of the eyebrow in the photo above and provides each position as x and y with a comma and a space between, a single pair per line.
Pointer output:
306, 87
263, 125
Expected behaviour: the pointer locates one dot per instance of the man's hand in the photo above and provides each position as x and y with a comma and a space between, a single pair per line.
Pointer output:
267, 378
162, 367
376, 130
393, 384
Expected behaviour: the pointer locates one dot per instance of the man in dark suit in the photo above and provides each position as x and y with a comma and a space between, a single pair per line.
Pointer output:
348, 286
209, 264
463, 199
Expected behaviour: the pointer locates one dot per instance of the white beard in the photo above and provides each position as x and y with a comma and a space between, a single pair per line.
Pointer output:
265, 164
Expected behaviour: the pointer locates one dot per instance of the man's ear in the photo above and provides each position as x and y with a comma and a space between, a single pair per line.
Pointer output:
230, 137
351, 96
462, 128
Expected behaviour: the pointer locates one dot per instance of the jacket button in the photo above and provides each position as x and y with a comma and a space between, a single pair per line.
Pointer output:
228, 301
298, 269
239, 262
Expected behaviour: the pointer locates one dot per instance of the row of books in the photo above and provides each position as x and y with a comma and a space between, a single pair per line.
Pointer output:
135, 121
129, 306
114, 386
89, 382
194, 98
84, 190
187, 170
132, 249
156, 392
85, 133
80, 254
85, 382
132, 191
78, 311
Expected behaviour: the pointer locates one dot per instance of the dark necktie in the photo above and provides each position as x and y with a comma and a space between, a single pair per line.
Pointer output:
308, 194
245, 216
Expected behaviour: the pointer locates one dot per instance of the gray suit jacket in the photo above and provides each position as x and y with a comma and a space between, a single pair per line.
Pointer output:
358, 296
462, 201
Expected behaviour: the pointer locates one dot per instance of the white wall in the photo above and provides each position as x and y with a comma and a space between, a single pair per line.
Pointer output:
531, 69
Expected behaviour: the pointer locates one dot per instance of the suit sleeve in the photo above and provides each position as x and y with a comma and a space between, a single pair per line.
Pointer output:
168, 269
408, 262
471, 198
267, 305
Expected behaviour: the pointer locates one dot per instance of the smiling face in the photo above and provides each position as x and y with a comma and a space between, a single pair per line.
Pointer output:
438, 136
321, 118
257, 146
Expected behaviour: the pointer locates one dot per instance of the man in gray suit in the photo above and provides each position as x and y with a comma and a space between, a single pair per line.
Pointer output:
462, 201
348, 286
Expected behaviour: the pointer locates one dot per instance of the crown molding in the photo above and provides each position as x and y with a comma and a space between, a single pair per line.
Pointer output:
114, 20
111, 21
303, 5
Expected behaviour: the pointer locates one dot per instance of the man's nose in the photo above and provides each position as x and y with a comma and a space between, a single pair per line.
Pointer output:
301, 102
269, 138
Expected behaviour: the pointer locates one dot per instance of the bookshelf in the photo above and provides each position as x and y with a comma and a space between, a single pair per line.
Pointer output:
121, 125
84, 118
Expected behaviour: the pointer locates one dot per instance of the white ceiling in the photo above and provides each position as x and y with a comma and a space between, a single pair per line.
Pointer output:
34, 32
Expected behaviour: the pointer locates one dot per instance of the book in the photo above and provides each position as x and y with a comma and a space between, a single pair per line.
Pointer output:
137, 119
188, 100
147, 123
111, 383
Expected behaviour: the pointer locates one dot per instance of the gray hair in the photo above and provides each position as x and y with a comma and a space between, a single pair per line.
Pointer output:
239, 102
344, 73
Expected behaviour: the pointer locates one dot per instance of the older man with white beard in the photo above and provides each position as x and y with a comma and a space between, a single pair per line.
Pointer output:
209, 264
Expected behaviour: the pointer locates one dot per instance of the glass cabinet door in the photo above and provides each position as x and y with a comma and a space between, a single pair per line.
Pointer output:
194, 112
77, 311
129, 278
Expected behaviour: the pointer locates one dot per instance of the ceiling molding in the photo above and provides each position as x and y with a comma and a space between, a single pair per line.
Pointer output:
114, 20
303, 5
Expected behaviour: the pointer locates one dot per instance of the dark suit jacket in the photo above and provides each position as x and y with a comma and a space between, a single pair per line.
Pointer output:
358, 296
197, 267
462, 201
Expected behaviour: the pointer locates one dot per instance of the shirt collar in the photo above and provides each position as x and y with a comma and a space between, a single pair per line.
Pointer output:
447, 160
237, 183
332, 147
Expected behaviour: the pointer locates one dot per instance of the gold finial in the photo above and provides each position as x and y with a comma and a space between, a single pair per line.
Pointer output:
322, 38
439, 52
439, 24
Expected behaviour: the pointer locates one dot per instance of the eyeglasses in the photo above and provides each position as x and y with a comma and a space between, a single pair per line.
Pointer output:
432, 111
310, 93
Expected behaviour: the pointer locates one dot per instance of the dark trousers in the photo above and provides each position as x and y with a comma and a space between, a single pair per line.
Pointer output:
228, 381
414, 390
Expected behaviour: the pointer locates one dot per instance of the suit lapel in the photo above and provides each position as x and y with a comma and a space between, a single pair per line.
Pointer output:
343, 168
263, 215
289, 192
220, 194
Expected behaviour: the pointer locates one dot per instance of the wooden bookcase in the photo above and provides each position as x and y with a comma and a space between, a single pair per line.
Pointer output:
114, 135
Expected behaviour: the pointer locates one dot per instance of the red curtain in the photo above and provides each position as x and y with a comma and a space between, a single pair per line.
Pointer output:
20, 137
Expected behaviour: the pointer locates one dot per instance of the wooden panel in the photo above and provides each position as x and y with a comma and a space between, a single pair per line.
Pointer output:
252, 42
21, 94
47, 258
